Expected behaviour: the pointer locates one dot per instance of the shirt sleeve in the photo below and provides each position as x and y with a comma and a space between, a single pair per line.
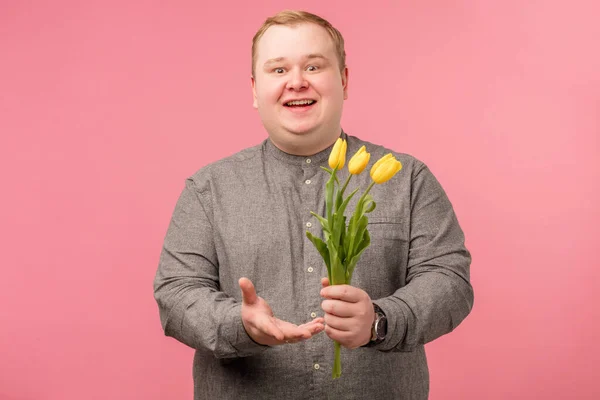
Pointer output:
438, 294
191, 305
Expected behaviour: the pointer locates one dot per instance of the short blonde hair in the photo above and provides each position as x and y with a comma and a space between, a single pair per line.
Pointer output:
293, 18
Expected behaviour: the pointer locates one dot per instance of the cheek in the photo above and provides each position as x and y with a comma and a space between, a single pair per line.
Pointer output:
269, 92
329, 88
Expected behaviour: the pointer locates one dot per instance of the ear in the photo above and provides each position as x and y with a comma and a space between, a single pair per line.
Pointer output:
253, 82
345, 82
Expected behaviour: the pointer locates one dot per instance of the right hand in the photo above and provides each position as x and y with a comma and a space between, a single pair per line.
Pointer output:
264, 328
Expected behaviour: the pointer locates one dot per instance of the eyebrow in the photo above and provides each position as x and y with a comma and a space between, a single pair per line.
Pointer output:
307, 57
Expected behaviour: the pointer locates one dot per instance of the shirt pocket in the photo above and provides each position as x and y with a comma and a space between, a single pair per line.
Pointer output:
386, 228
381, 269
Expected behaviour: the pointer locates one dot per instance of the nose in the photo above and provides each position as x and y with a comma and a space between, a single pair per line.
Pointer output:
297, 81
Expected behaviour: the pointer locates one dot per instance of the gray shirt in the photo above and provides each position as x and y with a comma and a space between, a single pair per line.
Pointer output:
247, 214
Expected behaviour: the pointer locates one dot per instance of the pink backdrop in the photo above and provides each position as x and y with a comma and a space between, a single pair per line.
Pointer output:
106, 107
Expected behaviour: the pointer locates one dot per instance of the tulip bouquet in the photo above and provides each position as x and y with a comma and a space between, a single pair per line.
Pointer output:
342, 243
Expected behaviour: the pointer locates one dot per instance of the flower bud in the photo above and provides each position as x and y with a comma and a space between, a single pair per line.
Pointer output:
385, 168
337, 158
359, 161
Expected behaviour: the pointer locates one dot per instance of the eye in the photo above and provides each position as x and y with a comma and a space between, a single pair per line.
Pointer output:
278, 70
312, 68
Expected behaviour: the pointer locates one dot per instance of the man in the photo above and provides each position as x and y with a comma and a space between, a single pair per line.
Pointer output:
239, 281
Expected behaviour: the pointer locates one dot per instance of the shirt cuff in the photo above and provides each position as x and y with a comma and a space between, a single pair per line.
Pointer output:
396, 325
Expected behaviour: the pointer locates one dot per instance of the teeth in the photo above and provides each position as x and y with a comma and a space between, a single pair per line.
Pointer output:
299, 102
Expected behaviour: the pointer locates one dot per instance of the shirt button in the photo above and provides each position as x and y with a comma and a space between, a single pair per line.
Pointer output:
307, 181
313, 315
308, 224
308, 161
316, 366
310, 269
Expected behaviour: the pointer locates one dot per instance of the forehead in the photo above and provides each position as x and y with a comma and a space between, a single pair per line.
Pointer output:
294, 41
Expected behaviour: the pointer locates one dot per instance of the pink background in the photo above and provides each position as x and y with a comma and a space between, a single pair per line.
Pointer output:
106, 107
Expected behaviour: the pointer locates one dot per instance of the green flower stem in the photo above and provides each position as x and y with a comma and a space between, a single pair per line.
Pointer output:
336, 372
366, 191
329, 188
346, 184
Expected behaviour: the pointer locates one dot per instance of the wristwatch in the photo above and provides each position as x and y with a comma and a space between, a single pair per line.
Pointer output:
379, 327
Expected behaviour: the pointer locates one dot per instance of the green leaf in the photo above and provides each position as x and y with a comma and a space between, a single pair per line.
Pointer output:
338, 273
350, 236
339, 227
339, 224
327, 169
343, 206
338, 200
323, 250
363, 245
361, 227
368, 205
339, 220
342, 248
323, 221
358, 234
371, 207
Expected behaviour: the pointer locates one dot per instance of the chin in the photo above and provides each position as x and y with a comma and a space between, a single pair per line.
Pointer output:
301, 130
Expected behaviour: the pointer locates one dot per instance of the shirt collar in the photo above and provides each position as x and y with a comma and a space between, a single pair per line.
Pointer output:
317, 159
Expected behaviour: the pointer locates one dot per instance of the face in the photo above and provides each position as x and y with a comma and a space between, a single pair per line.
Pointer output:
298, 88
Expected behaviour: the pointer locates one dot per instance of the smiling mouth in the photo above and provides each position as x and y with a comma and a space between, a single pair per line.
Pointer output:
300, 103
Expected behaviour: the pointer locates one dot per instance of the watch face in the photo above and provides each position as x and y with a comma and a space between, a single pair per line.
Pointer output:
381, 327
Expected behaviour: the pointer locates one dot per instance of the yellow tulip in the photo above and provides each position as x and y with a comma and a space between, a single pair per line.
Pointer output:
359, 161
385, 168
337, 158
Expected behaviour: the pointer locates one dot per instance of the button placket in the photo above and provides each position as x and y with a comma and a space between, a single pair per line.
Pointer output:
311, 192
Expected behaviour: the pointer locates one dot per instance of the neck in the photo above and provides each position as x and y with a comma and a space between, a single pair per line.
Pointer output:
307, 144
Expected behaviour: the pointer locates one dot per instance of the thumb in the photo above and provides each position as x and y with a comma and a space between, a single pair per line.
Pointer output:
248, 292
324, 282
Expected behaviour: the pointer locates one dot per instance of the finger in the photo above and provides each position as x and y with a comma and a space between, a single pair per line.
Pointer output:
346, 293
291, 331
343, 337
318, 320
248, 292
324, 282
339, 308
341, 324
314, 326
